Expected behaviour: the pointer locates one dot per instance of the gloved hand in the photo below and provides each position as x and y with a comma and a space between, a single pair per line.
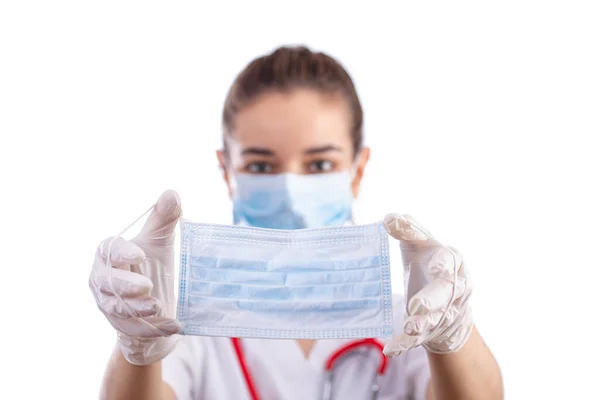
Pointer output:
142, 275
437, 290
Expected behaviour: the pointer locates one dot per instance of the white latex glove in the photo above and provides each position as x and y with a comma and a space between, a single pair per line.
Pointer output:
142, 275
437, 290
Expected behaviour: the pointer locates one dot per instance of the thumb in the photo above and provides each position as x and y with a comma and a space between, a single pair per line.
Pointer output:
401, 344
161, 223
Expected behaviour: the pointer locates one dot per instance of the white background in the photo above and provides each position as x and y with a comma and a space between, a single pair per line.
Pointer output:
483, 118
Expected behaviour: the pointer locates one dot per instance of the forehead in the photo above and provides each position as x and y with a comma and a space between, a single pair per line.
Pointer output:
293, 121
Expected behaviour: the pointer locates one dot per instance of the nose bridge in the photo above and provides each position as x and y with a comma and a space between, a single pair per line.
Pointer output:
292, 165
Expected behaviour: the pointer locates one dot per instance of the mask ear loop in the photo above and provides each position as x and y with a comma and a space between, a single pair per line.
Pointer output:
233, 184
452, 297
352, 171
122, 302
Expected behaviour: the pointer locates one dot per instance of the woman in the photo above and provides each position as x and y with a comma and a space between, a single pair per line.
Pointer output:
292, 123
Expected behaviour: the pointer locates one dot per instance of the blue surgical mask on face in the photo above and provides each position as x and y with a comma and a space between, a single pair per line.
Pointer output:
292, 201
261, 283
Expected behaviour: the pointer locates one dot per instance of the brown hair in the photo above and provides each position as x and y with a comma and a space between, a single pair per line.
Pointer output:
287, 68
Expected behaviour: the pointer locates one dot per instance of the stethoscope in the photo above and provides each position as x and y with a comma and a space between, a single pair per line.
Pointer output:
329, 366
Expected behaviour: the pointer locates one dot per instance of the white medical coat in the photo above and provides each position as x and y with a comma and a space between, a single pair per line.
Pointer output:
207, 368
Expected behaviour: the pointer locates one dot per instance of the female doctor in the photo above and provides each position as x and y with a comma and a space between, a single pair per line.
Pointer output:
292, 112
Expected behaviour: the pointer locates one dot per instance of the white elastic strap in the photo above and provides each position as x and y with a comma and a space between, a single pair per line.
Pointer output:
130, 311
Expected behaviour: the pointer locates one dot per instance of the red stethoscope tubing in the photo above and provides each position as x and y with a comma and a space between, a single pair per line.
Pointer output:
237, 345
329, 365
349, 347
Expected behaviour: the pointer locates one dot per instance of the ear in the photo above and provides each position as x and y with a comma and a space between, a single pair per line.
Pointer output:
222, 158
361, 162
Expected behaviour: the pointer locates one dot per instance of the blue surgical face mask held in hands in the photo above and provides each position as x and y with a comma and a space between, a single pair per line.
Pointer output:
291, 201
289, 284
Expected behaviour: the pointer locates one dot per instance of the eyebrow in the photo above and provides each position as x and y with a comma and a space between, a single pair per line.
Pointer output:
322, 149
260, 151
263, 151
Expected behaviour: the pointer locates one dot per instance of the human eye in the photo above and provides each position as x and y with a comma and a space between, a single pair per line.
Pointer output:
320, 166
259, 167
